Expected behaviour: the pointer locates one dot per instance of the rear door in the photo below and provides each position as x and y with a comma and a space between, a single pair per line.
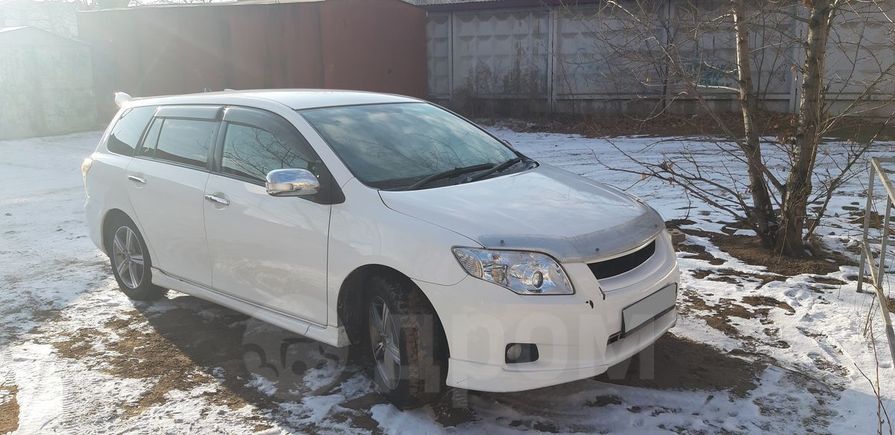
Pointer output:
270, 251
166, 183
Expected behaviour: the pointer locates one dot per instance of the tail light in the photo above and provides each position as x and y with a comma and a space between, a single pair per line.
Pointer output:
85, 167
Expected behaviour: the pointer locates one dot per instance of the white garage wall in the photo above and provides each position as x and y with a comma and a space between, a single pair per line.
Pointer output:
46, 84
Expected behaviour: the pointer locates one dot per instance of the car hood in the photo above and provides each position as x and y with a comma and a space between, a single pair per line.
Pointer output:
544, 209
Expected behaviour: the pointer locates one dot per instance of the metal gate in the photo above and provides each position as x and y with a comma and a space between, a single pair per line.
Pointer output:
878, 270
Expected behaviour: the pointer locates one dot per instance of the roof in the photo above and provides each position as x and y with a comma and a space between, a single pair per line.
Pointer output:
296, 99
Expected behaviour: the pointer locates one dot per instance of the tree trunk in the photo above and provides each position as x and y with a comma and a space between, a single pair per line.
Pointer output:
811, 107
762, 214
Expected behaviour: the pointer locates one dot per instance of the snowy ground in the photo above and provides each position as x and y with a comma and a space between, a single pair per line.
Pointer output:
752, 351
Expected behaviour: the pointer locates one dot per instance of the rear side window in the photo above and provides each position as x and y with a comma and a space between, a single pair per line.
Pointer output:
127, 131
182, 141
252, 151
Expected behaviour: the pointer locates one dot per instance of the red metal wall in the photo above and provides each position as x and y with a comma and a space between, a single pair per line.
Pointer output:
376, 45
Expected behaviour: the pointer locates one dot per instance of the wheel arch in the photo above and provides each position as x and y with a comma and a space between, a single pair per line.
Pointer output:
110, 217
352, 301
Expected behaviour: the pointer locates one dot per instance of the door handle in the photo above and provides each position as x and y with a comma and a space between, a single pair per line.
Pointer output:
136, 179
217, 200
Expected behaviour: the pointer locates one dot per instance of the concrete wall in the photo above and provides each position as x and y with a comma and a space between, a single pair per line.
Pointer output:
46, 84
591, 59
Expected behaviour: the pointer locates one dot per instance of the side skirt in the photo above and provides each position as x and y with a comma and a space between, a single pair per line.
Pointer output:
331, 335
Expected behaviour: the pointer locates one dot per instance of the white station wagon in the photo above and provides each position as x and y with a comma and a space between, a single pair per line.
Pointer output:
385, 222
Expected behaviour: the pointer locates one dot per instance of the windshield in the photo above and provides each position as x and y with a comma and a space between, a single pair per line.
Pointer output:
395, 146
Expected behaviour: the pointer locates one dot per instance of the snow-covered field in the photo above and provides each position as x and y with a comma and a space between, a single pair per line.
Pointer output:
752, 351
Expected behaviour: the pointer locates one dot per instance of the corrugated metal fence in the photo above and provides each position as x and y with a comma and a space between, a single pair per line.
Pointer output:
374, 45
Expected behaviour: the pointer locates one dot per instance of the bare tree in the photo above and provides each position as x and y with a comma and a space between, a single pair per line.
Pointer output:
811, 118
775, 202
762, 216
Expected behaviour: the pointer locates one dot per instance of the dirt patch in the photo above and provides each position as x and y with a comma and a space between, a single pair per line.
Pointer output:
732, 276
690, 300
750, 250
184, 343
828, 366
767, 301
699, 252
719, 316
601, 401
453, 410
179, 352
876, 219
827, 280
9, 408
359, 407
730, 279
78, 344
675, 363
154, 354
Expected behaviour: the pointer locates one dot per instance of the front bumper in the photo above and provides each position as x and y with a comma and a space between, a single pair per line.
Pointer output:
572, 332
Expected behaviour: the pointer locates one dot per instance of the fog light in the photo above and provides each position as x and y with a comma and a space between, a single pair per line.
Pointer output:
521, 353
514, 351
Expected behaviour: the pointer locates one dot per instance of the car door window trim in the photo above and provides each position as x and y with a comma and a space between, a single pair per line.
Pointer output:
329, 194
209, 158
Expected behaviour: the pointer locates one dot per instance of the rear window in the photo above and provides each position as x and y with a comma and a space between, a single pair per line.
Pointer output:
183, 141
127, 131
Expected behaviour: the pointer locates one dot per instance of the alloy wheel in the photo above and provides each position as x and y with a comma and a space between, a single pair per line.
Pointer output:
127, 257
384, 341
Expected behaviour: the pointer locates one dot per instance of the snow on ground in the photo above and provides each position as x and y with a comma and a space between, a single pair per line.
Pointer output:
753, 351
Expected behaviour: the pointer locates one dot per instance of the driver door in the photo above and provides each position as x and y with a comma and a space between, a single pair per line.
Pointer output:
266, 250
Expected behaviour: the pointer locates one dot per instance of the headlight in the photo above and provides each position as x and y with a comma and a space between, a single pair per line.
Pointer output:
526, 273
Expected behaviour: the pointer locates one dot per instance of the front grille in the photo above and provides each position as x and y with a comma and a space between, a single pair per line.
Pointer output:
620, 265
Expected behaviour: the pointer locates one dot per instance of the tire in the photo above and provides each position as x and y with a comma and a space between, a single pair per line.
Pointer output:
413, 331
130, 261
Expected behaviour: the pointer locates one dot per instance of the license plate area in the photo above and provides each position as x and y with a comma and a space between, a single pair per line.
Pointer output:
649, 308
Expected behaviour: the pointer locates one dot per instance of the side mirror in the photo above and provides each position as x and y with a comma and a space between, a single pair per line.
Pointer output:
292, 182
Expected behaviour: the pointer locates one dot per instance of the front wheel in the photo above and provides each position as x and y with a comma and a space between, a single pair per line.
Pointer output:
405, 343
130, 262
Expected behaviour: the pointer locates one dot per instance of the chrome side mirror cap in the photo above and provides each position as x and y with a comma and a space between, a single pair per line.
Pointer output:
292, 182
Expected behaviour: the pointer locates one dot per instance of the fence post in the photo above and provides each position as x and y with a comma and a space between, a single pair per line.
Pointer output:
863, 262
553, 22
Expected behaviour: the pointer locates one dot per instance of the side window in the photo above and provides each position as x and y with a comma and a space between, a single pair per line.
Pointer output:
185, 141
251, 151
127, 131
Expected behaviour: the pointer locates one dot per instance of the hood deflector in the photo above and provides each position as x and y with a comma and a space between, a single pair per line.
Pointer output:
546, 209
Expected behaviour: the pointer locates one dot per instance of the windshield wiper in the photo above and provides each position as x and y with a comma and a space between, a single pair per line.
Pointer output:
449, 174
499, 168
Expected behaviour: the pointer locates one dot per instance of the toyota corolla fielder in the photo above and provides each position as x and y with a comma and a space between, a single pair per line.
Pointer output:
384, 222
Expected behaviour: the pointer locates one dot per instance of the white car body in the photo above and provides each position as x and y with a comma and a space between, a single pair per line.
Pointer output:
287, 261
